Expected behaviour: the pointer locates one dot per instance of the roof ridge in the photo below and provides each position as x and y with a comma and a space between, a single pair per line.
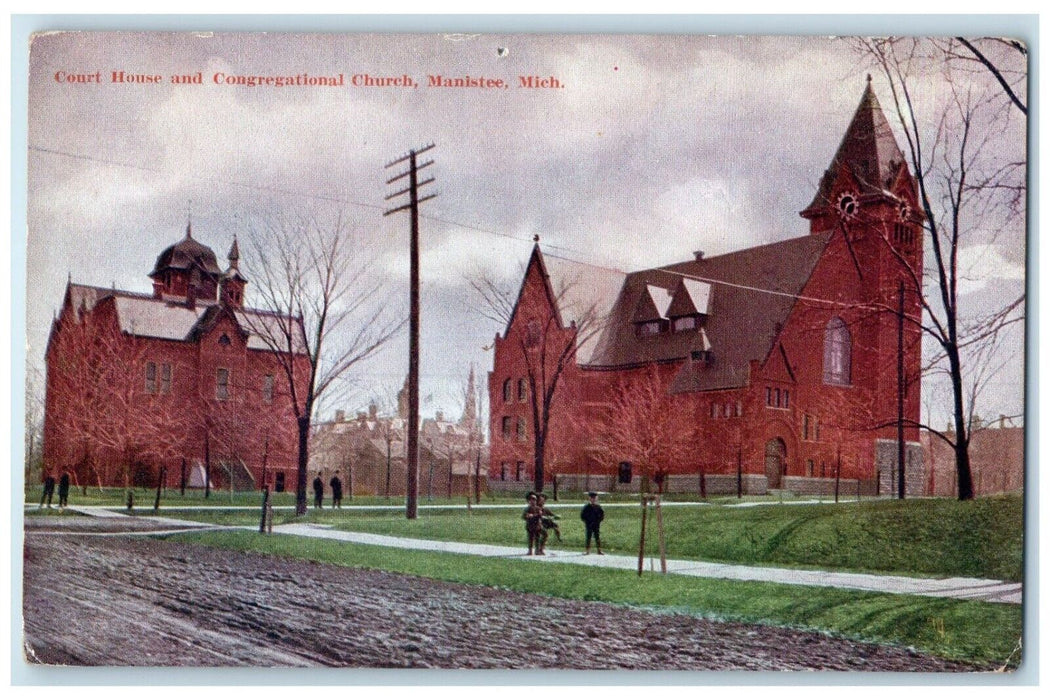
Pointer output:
739, 251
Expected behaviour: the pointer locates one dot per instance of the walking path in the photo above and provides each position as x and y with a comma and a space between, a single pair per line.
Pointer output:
956, 587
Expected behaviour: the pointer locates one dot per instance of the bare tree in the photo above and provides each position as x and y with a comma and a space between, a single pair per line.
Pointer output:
646, 426
34, 425
104, 400
327, 312
547, 346
964, 143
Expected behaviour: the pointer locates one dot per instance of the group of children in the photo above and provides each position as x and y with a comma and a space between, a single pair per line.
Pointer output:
541, 520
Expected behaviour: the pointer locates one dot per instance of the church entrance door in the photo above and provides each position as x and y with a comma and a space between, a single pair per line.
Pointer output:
776, 459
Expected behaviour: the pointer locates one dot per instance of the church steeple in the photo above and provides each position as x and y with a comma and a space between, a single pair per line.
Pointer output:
867, 167
469, 420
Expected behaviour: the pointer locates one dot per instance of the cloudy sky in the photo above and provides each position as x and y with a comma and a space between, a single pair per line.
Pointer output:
651, 148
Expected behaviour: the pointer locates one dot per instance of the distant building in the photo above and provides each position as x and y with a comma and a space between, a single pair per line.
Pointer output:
780, 361
181, 379
369, 451
996, 461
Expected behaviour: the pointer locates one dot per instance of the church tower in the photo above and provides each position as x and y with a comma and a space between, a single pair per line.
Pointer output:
868, 201
868, 189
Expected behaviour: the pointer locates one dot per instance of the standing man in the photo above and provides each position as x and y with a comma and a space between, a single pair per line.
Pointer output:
63, 489
337, 490
592, 516
318, 491
49, 489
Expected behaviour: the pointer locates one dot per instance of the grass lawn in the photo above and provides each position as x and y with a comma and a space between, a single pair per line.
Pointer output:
982, 538
973, 631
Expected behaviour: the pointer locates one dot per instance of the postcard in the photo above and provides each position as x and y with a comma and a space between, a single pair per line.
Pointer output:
525, 351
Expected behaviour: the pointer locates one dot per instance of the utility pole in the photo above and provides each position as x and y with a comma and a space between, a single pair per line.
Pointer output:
414, 200
900, 390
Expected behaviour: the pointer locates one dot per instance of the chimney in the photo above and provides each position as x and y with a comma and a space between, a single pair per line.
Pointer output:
439, 416
340, 416
373, 410
698, 255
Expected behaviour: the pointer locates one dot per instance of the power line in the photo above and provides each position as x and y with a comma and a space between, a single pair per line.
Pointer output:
452, 222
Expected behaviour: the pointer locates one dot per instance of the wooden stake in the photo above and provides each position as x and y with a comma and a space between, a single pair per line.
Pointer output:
660, 535
641, 539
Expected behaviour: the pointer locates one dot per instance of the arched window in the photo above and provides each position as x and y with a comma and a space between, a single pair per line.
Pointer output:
523, 390
837, 352
508, 388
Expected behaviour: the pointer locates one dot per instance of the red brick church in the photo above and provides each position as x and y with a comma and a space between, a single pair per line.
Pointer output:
183, 379
774, 367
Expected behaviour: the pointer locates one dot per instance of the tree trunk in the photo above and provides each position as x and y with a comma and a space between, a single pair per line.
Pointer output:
304, 458
538, 476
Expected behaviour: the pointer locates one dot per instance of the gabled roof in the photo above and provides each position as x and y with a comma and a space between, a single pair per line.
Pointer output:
742, 318
146, 316
868, 150
690, 297
585, 294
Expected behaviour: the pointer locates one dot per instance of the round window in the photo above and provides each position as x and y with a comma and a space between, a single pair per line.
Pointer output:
848, 204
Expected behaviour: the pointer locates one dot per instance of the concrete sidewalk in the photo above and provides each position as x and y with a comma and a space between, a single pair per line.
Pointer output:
962, 588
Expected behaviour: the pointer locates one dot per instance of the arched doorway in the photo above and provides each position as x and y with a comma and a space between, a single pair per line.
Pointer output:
776, 460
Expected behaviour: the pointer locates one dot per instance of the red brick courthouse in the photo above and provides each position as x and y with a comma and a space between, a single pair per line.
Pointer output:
779, 361
182, 378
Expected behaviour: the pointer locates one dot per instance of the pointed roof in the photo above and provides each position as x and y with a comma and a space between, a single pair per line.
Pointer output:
187, 254
470, 404
868, 150
234, 256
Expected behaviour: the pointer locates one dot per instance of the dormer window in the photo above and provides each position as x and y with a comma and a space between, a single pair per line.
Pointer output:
684, 323
648, 328
702, 357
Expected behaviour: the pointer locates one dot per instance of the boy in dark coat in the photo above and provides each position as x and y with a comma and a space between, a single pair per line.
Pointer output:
63, 490
318, 491
592, 516
337, 490
533, 517
49, 490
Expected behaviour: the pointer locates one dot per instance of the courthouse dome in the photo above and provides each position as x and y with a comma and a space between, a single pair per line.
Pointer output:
185, 255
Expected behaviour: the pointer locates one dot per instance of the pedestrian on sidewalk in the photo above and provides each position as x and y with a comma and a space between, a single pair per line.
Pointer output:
337, 490
533, 517
49, 489
318, 491
592, 516
63, 489
548, 522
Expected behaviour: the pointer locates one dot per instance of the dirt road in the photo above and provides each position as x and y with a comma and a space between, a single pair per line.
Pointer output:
92, 600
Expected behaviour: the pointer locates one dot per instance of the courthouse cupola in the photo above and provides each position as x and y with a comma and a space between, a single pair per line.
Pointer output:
868, 177
186, 269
